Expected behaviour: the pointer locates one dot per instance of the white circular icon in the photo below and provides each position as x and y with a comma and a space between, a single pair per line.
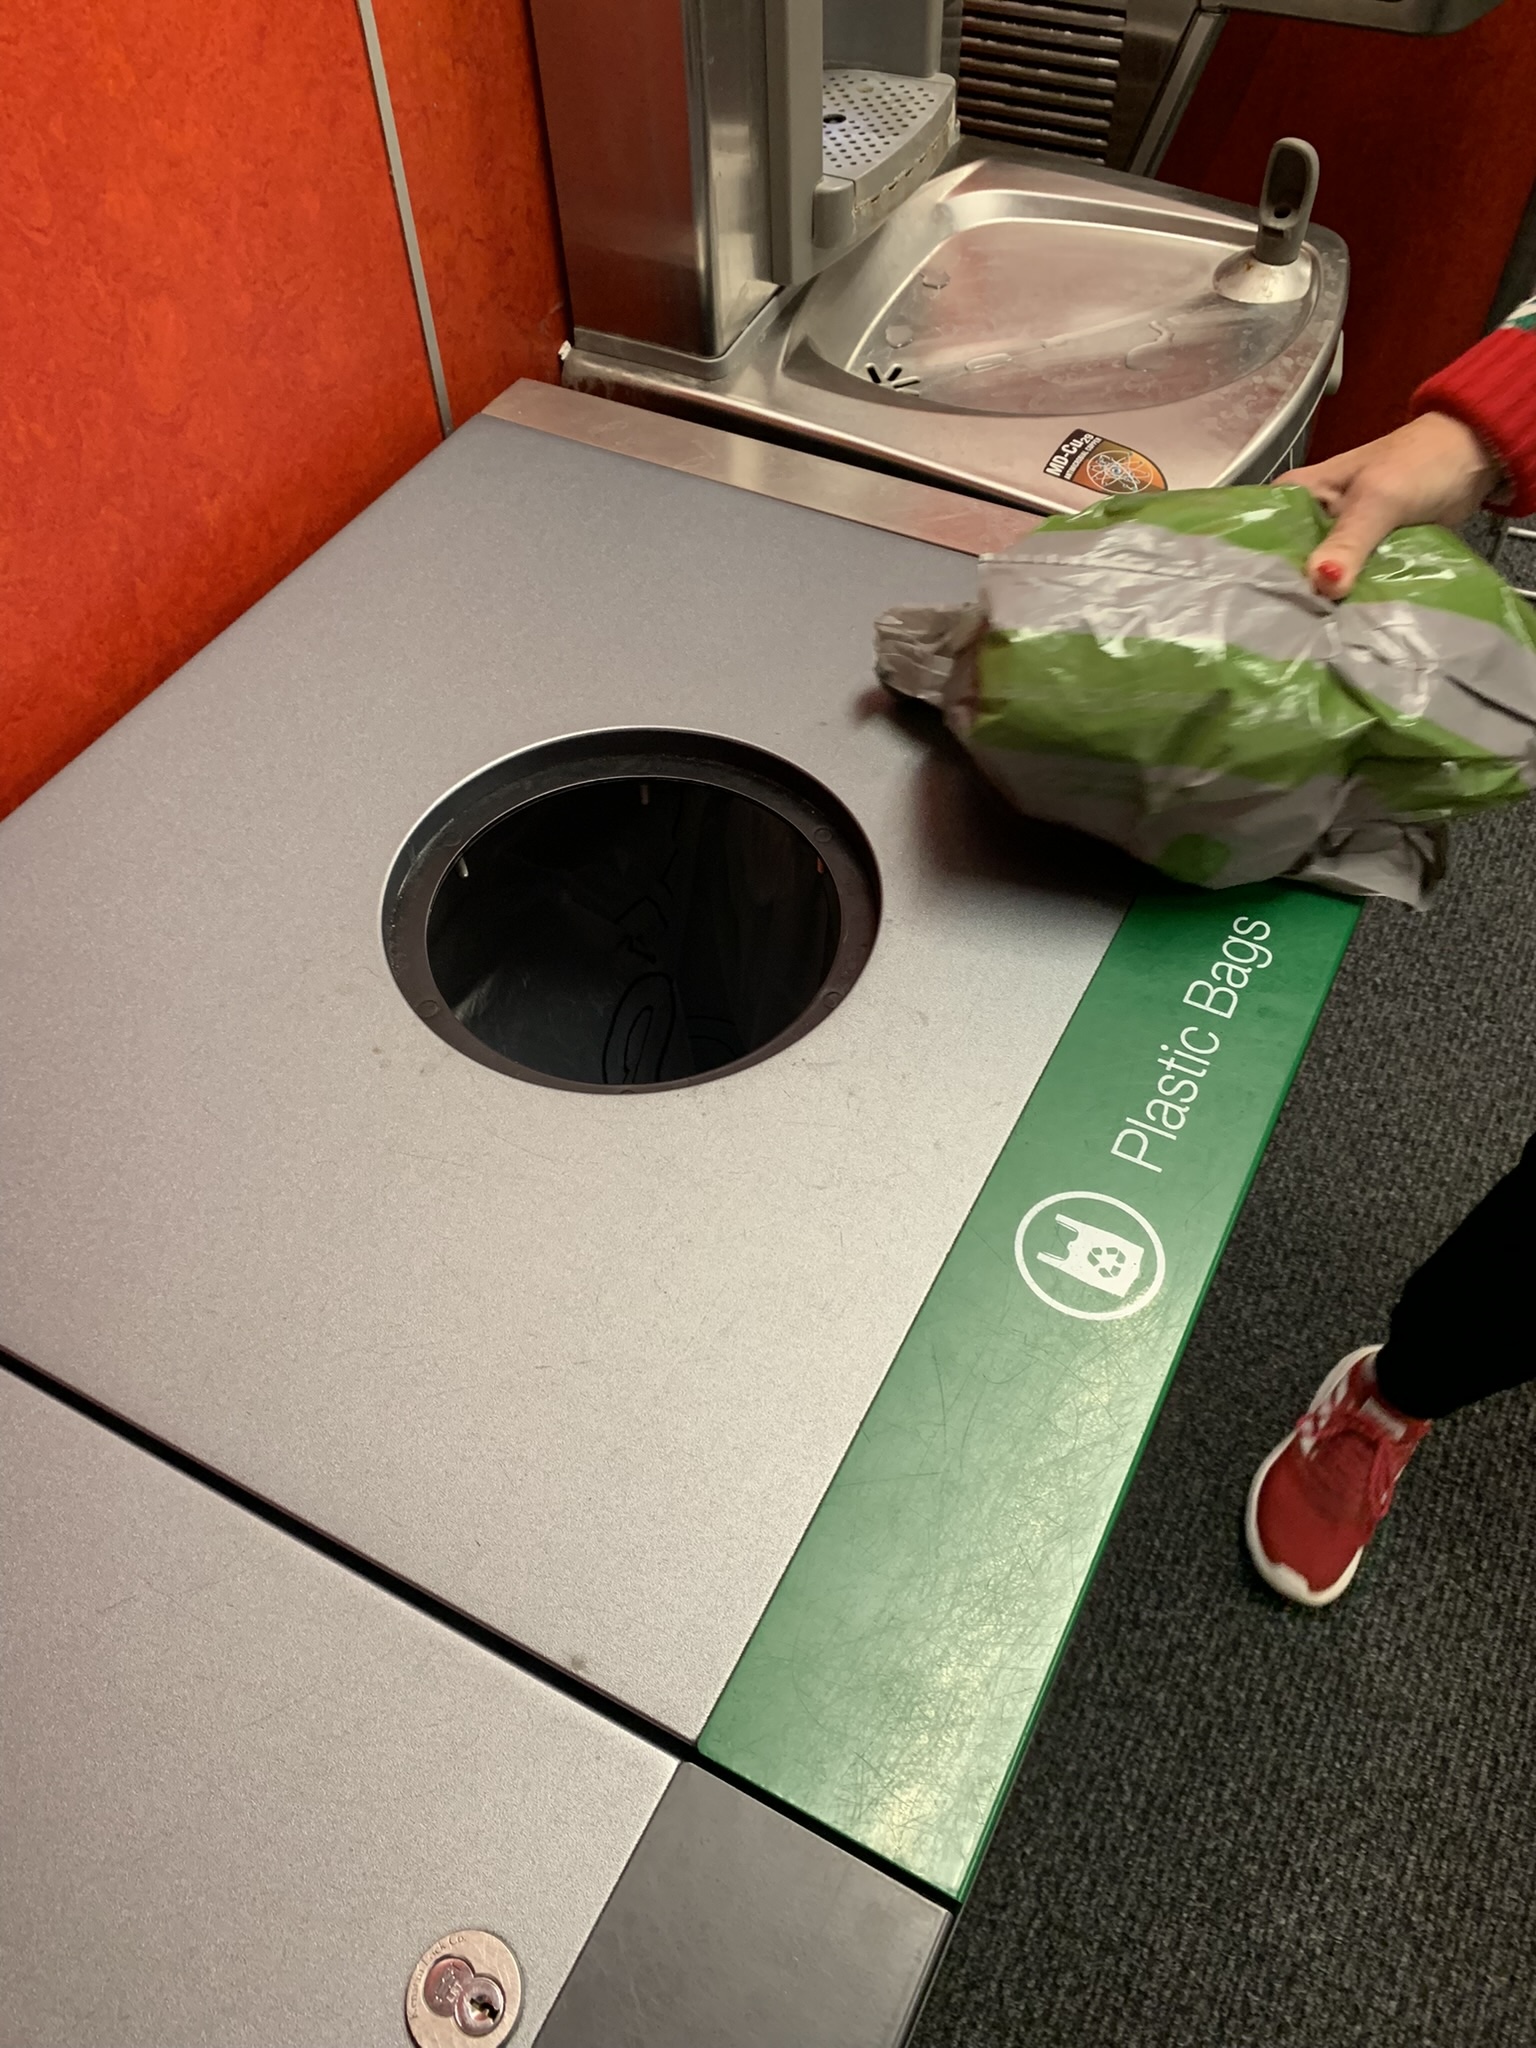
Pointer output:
1091, 1256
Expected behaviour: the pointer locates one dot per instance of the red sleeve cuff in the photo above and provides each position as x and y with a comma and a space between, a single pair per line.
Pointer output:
1492, 390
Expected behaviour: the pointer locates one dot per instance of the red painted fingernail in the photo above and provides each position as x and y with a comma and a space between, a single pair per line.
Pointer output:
1331, 572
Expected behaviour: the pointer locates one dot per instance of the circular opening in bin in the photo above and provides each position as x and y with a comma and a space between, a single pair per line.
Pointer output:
631, 910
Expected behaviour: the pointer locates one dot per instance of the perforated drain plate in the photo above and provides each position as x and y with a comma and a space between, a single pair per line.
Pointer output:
883, 133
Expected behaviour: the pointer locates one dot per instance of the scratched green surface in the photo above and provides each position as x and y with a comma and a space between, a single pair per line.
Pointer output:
891, 1684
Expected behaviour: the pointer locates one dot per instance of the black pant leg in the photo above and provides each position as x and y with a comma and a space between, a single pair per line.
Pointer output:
1465, 1326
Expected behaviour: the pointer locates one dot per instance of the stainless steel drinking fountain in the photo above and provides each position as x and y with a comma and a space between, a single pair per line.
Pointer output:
764, 223
1039, 333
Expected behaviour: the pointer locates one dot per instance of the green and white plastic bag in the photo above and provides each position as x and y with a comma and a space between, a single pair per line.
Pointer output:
1159, 672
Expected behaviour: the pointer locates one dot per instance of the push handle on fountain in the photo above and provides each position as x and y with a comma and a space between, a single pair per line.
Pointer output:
1285, 205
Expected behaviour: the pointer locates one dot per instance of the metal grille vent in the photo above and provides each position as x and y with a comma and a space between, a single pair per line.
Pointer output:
1041, 72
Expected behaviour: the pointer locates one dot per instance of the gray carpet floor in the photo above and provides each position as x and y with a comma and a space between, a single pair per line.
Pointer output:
1243, 1825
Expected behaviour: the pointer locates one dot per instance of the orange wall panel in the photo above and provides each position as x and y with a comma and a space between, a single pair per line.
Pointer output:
464, 88
1428, 148
211, 352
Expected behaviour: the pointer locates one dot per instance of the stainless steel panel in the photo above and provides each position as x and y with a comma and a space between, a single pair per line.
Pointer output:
1406, 17
656, 114
793, 133
906, 37
583, 1366
727, 101
242, 1790
1174, 91
1156, 32
896, 504
734, 1927
614, 77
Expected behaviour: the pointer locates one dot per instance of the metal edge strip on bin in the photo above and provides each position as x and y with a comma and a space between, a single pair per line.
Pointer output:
733, 1923
894, 1678
945, 519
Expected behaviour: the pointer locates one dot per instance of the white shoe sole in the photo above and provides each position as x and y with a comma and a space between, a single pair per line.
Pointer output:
1280, 1577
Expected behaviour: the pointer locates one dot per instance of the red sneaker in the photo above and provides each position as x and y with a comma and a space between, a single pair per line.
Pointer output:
1316, 1500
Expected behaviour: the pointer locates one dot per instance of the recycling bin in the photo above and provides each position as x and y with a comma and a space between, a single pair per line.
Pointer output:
521, 1064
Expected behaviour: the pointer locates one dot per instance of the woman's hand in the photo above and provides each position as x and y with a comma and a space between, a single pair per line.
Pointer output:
1433, 470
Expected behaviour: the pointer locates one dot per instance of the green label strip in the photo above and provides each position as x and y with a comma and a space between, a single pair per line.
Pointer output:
894, 1678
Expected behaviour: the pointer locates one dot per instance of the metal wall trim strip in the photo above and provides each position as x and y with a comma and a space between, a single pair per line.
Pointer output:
894, 504
896, 1675
403, 207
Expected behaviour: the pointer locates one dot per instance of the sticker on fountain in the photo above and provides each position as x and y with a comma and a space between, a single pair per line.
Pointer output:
1089, 1256
1109, 467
